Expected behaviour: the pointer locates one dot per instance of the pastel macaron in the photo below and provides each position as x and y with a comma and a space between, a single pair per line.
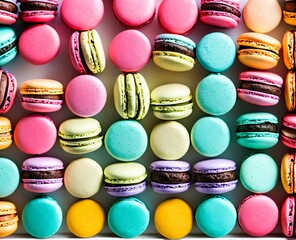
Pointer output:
258, 215
257, 130
83, 177
287, 216
6, 135
42, 174
288, 46
80, 135
216, 216
287, 172
9, 177
126, 140
216, 52
125, 179
86, 51
260, 88
289, 13
258, 50
131, 96
42, 217
289, 90
170, 177
177, 16
8, 45
42, 95
287, 130
9, 218
215, 176
219, 13
8, 12
86, 95
174, 52
8, 86
128, 217
169, 140
171, 101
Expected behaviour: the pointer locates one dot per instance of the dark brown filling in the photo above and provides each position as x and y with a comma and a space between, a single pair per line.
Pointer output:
7, 47
31, 6
167, 46
221, 7
7, 217
288, 132
290, 6
42, 174
3, 87
218, 177
263, 127
260, 87
8, 6
51, 97
170, 177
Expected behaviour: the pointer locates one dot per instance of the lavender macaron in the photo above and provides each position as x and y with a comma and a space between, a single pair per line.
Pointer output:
170, 176
215, 176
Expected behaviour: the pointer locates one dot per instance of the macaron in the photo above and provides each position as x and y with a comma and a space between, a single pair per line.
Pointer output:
42, 217
125, 179
216, 52
258, 50
215, 176
257, 130
216, 216
32, 48
6, 137
171, 101
289, 90
8, 12
8, 86
38, 11
177, 16
85, 218
80, 15
210, 136
42, 174
126, 140
288, 44
258, 173
9, 177
8, 45
9, 218
80, 135
287, 216
287, 172
257, 215
86, 95
35, 134
131, 96
289, 13
83, 177
127, 12
169, 140
260, 88
287, 130
86, 51
219, 13
42, 95
170, 177
130, 50
174, 52
215, 94
128, 217
262, 21
173, 218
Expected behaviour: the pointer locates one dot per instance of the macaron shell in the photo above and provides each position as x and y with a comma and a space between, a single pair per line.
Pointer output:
37, 16
287, 216
7, 18
7, 36
219, 19
75, 53
289, 90
9, 226
6, 131
287, 172
288, 49
9, 177
11, 92
126, 191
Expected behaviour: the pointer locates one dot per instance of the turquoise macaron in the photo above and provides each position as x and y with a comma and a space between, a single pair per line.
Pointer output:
8, 44
216, 52
216, 216
9, 177
128, 217
216, 94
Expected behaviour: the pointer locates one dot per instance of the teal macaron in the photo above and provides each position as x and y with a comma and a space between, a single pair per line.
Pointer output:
9, 177
8, 44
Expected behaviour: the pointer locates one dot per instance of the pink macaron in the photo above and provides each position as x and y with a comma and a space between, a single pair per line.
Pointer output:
260, 87
42, 174
8, 89
288, 130
220, 13
85, 95
287, 217
8, 12
130, 50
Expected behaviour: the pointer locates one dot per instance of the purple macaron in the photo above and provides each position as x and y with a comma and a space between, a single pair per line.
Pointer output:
215, 176
170, 176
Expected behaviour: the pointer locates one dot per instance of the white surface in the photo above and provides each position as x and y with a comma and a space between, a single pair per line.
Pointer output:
61, 69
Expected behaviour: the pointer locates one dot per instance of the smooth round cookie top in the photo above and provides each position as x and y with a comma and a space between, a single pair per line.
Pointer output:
259, 173
262, 16
86, 95
128, 217
130, 50
85, 218
216, 216
169, 140
82, 15
39, 44
216, 52
42, 217
210, 136
9, 177
258, 215
173, 218
126, 140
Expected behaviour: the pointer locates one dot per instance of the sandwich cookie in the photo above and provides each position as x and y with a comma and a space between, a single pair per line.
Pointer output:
8, 218
287, 216
9, 177
288, 172
6, 137
8, 45
288, 130
8, 12
289, 90
8, 89
289, 13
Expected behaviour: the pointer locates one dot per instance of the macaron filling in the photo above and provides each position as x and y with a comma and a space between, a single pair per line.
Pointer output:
12, 44
31, 6
260, 87
220, 7
8, 6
